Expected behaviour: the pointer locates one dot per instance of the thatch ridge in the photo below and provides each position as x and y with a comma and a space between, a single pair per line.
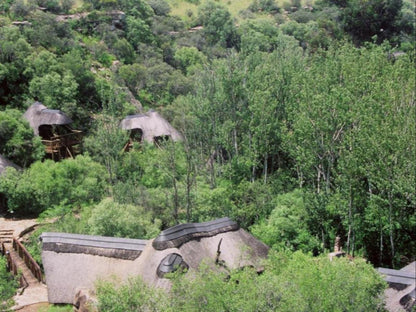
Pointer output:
182, 233
38, 114
152, 125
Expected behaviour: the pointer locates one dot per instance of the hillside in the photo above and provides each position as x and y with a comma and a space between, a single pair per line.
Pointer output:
296, 120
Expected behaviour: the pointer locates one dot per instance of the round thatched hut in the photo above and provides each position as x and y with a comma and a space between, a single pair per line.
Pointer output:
53, 127
150, 127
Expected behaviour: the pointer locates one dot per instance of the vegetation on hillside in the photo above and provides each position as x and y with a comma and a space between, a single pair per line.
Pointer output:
297, 118
291, 282
8, 285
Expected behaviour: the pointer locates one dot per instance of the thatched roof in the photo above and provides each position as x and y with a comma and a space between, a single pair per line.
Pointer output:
152, 125
113, 247
401, 294
38, 114
66, 271
4, 163
182, 233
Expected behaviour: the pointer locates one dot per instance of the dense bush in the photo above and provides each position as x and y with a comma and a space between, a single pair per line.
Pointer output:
286, 227
47, 184
18, 142
109, 218
291, 282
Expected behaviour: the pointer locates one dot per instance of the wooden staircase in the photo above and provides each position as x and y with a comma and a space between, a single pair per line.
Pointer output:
33, 292
19, 261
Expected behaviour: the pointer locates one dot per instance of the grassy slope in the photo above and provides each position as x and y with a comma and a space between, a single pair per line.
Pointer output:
181, 7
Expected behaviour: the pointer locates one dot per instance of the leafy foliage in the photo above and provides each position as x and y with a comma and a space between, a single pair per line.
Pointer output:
47, 184
8, 285
109, 218
290, 282
18, 142
288, 127
286, 227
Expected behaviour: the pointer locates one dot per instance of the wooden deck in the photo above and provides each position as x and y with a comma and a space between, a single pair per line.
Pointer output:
63, 146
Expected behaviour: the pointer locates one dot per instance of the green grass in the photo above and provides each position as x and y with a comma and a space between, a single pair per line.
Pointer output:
58, 308
182, 7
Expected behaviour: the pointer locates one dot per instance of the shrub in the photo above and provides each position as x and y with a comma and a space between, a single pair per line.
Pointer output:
47, 184
109, 218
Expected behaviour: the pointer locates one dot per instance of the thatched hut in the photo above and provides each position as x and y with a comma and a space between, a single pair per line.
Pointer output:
74, 262
53, 126
4, 163
150, 127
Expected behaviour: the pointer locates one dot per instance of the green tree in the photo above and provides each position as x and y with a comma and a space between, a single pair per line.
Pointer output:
106, 143
218, 24
109, 218
287, 226
189, 59
365, 19
47, 184
18, 142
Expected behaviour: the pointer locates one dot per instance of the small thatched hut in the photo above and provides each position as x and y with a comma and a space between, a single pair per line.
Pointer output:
74, 262
53, 127
150, 127
4, 163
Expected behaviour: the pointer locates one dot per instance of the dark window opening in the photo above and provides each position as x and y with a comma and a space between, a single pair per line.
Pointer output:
136, 135
159, 140
46, 132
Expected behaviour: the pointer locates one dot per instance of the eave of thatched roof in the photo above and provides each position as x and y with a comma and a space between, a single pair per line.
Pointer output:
113, 247
152, 125
182, 233
38, 114
4, 163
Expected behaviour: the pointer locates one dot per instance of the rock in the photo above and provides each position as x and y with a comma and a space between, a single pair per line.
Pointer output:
85, 301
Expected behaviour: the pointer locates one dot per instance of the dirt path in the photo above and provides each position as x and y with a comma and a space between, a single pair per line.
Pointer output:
36, 292
18, 226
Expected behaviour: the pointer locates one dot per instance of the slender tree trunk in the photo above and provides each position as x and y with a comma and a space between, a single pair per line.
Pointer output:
349, 221
318, 179
381, 242
265, 168
175, 200
235, 142
391, 228
353, 244
188, 193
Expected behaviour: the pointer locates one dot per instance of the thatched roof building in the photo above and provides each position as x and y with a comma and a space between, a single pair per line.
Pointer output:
70, 265
53, 127
401, 294
150, 127
4, 163
39, 115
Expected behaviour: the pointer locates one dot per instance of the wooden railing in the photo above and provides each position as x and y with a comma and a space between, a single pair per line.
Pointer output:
27, 258
55, 143
12, 267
